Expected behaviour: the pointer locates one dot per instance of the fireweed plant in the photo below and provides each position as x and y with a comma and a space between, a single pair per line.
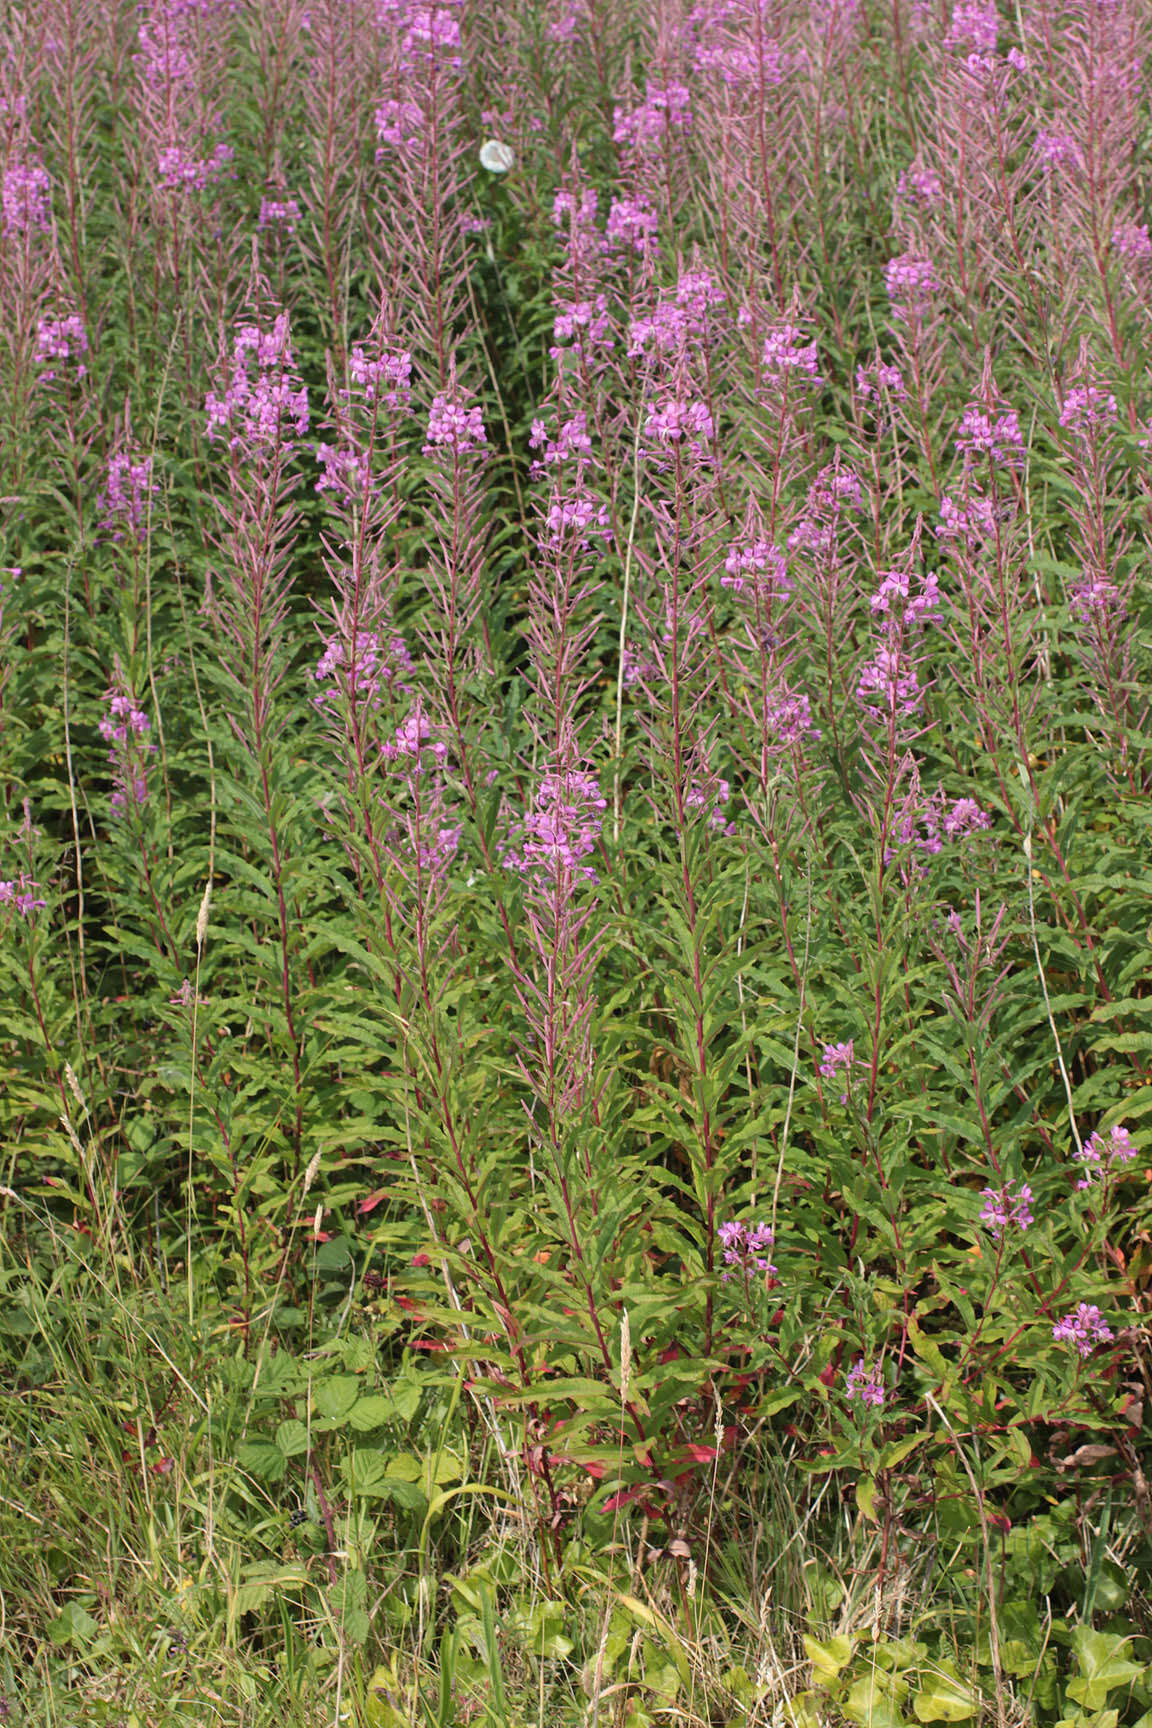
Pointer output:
635, 645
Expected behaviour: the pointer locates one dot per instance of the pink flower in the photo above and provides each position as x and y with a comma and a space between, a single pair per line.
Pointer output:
865, 1381
911, 283
760, 568
632, 226
561, 829
1130, 240
786, 355
903, 597
1087, 407
126, 728
453, 426
666, 108
360, 673
920, 186
1103, 1154
22, 894
711, 796
63, 341
746, 1246
259, 407
25, 198
678, 422
974, 28
180, 171
999, 438
400, 125
571, 442
1056, 150
839, 1059
579, 515
874, 382
127, 492
1004, 1210
384, 377
279, 213
1085, 1328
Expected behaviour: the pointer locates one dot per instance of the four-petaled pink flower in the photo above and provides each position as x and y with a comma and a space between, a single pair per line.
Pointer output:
562, 829
1086, 407
911, 283
1004, 1210
1102, 1154
63, 341
126, 728
866, 1382
279, 214
875, 382
127, 492
260, 407
786, 356
452, 426
22, 894
25, 199
676, 422
838, 1059
997, 437
746, 1246
1085, 1328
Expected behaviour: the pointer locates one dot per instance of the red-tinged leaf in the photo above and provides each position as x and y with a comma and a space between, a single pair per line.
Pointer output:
371, 1202
700, 1454
162, 1466
420, 1260
597, 1471
624, 1498
672, 1354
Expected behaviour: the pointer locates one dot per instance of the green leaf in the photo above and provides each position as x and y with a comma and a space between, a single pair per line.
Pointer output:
866, 1497
371, 1412
1102, 1667
292, 1438
828, 1658
872, 1700
945, 1698
335, 1395
262, 1459
73, 1625
366, 1473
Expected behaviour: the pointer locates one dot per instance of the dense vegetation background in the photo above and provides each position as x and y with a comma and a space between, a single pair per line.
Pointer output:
574, 865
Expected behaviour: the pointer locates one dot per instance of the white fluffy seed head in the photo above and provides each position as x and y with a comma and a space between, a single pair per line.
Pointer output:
202, 915
74, 1085
625, 1357
498, 158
